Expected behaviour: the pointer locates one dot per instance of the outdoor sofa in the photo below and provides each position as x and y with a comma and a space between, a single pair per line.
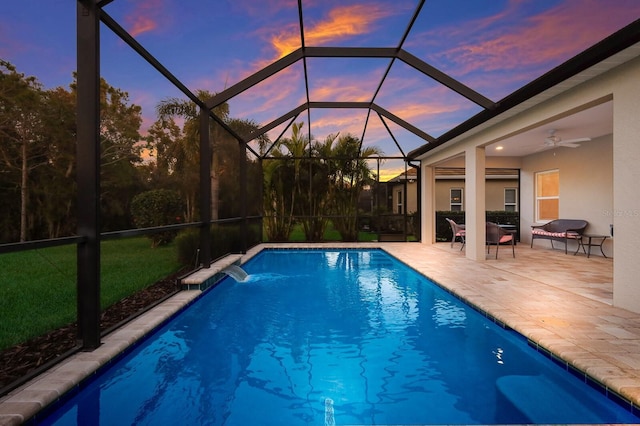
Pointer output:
561, 230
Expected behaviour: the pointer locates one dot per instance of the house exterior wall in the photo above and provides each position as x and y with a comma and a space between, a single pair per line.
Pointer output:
611, 159
410, 202
586, 180
494, 189
626, 178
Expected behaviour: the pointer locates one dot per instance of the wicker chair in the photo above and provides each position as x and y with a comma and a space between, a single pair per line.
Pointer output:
458, 232
496, 235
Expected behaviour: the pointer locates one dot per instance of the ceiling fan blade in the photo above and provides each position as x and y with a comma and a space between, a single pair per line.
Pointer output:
576, 140
569, 144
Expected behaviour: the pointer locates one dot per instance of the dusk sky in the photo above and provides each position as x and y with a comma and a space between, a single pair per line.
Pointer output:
492, 46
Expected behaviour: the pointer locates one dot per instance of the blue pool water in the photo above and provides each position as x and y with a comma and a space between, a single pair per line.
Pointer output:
329, 338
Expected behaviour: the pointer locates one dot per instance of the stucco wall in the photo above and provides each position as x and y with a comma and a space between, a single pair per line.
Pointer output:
584, 192
626, 188
586, 182
494, 191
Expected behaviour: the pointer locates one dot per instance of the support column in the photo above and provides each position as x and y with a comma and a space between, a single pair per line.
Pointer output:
475, 200
626, 204
205, 189
88, 173
427, 204
244, 225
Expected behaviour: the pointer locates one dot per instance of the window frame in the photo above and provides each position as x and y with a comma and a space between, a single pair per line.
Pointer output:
513, 204
451, 199
539, 198
399, 202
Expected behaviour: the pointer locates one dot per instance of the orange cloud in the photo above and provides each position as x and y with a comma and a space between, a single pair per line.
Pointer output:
332, 121
341, 23
508, 40
144, 17
354, 88
277, 93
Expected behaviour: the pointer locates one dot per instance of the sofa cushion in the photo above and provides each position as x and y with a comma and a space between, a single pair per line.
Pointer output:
540, 231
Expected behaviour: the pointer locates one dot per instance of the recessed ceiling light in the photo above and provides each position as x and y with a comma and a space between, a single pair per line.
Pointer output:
499, 148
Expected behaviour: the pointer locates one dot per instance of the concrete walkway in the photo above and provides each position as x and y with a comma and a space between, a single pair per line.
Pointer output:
563, 303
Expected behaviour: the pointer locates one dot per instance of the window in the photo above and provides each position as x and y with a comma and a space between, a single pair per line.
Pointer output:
399, 202
456, 199
511, 199
547, 195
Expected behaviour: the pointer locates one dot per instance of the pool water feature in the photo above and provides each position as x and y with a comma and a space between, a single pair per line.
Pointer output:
331, 337
236, 272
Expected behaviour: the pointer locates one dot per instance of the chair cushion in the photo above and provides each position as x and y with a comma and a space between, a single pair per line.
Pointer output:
506, 238
539, 231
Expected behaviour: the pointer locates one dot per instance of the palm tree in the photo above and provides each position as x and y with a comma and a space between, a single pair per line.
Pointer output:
188, 110
277, 207
310, 183
320, 179
350, 174
297, 146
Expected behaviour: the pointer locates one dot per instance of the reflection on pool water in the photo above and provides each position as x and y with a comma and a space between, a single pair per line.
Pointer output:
334, 337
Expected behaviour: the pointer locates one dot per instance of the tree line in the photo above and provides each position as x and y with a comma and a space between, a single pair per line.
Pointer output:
301, 179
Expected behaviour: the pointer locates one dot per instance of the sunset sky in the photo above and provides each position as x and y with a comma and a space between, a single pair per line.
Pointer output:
492, 46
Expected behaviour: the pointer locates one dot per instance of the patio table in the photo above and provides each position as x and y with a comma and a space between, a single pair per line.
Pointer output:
592, 240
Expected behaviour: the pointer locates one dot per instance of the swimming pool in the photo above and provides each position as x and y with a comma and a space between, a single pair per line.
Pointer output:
334, 337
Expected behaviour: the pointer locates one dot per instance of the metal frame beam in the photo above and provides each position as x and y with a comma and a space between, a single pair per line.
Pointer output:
88, 173
254, 79
347, 105
137, 47
400, 122
278, 121
445, 79
144, 53
205, 189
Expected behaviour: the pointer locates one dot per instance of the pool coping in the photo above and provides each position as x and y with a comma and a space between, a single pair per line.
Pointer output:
25, 402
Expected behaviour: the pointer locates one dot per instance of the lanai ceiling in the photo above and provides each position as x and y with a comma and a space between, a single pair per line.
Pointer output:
398, 74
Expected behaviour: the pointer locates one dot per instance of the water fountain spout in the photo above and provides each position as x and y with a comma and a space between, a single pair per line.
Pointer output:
235, 272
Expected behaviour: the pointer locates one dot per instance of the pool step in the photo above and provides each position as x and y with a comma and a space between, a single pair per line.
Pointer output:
205, 277
536, 399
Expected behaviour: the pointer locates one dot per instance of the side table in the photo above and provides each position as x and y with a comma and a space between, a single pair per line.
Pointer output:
592, 240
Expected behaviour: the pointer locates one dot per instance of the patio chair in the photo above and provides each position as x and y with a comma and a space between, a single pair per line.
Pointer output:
458, 232
497, 235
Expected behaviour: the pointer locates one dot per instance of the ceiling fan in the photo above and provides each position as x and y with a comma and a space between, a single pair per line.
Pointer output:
554, 140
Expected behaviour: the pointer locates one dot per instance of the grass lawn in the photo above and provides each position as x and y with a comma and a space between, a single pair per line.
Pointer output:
330, 234
38, 287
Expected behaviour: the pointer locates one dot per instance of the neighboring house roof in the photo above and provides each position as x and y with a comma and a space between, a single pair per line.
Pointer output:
457, 173
490, 173
410, 174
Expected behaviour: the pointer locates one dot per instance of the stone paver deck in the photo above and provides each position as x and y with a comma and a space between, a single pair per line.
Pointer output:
561, 302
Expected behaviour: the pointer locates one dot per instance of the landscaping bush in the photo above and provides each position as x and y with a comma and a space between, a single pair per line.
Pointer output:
158, 207
187, 244
224, 239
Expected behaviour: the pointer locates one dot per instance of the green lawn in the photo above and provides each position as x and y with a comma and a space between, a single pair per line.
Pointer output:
297, 234
38, 287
